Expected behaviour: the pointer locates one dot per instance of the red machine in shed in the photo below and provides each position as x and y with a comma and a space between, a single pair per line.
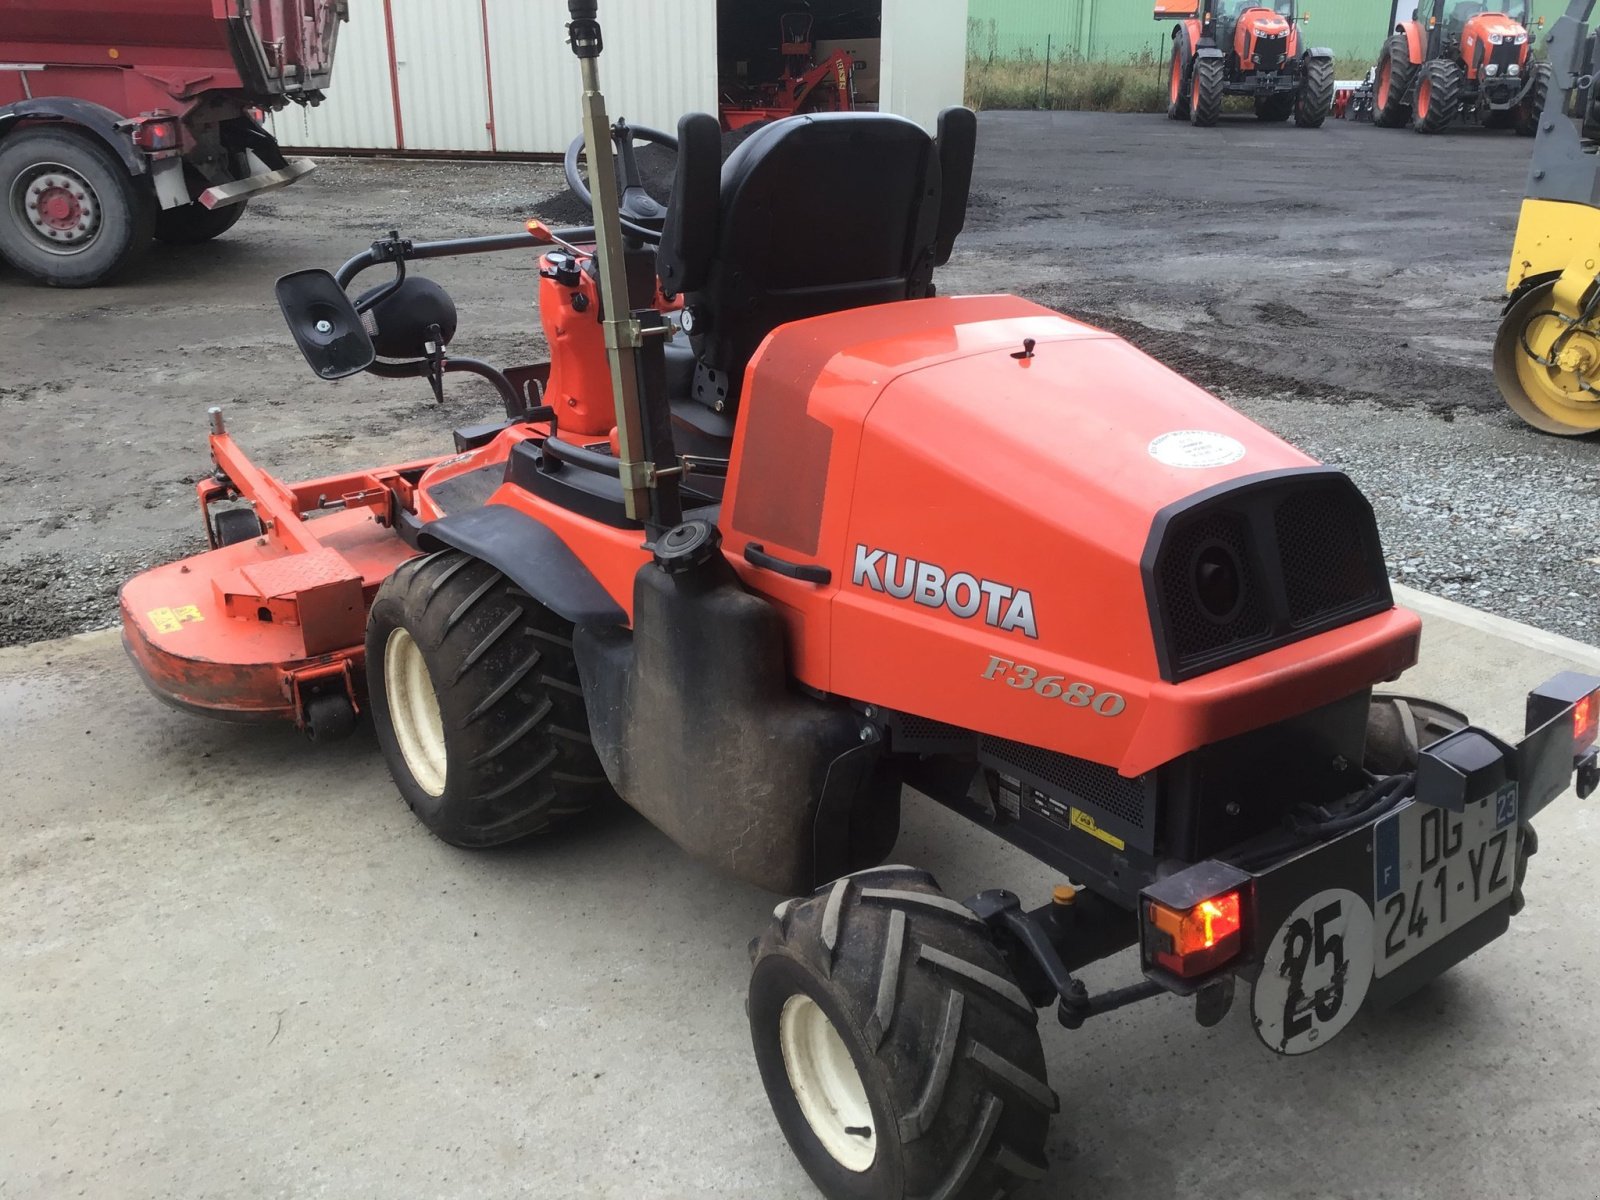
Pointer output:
806, 86
123, 121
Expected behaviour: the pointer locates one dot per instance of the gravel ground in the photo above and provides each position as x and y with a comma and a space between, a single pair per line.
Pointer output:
1339, 286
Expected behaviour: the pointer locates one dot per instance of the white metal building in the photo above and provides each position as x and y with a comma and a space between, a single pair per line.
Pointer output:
496, 76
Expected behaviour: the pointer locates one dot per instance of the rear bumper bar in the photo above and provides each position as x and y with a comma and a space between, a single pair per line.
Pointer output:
241, 190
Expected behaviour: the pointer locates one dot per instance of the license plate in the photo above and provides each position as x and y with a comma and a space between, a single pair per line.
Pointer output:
1435, 871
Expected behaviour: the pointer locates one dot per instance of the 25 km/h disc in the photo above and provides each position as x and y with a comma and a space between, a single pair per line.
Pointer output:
1554, 397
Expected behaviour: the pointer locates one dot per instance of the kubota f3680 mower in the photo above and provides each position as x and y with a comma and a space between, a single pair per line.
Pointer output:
1547, 354
757, 567
1244, 48
1459, 59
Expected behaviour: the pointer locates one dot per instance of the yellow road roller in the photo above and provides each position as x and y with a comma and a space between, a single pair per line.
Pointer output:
1547, 353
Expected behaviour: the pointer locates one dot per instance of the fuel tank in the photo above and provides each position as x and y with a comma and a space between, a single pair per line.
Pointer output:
1034, 530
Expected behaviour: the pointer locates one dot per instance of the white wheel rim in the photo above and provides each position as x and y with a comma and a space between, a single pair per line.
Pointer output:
414, 711
826, 1084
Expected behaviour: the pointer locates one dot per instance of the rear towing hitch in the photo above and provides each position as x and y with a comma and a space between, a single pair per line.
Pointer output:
1045, 945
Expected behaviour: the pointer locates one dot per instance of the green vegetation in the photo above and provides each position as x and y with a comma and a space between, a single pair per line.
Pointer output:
1139, 85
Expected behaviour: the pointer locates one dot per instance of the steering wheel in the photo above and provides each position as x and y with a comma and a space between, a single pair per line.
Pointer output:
642, 214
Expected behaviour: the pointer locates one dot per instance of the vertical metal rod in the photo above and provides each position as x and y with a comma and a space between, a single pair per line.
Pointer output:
1049, 49
622, 333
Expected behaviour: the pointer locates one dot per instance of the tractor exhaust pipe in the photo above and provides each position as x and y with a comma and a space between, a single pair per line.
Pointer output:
623, 334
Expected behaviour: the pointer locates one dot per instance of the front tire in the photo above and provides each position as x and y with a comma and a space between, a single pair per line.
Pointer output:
1313, 100
1206, 106
1532, 108
477, 703
900, 1056
70, 214
1438, 96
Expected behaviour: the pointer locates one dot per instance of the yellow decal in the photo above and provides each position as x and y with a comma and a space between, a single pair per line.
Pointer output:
1082, 820
171, 620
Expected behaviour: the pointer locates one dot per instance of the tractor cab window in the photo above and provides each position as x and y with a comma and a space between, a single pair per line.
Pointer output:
1462, 11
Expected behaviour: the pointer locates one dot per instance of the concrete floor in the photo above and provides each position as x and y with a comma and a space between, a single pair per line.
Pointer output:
236, 967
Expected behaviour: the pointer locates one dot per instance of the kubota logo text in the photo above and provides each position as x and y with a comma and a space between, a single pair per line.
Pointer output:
965, 595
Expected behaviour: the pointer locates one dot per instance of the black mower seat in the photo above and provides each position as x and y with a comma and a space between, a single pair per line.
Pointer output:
810, 215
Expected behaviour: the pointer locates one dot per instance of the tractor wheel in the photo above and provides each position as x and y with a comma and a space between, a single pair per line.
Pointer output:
230, 526
1532, 106
1556, 399
70, 214
1313, 101
1393, 84
1438, 96
1277, 107
1206, 91
1178, 81
476, 699
899, 1055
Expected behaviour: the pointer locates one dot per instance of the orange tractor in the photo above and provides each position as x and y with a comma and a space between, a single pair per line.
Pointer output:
780, 532
1462, 60
1244, 48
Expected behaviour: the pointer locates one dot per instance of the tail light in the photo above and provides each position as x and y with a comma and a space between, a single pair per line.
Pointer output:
1195, 941
1568, 691
1585, 722
1192, 924
160, 133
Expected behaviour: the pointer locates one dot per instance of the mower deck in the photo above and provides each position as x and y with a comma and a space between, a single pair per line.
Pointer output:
246, 632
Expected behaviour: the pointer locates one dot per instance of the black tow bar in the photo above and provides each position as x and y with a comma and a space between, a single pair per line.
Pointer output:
1045, 945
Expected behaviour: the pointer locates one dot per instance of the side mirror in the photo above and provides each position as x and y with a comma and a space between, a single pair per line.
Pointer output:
325, 324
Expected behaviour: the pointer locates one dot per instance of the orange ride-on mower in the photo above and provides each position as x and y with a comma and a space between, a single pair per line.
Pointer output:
1463, 59
758, 567
1244, 48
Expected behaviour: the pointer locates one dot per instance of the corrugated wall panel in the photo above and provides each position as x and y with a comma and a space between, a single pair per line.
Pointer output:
660, 62
1119, 30
444, 88
359, 111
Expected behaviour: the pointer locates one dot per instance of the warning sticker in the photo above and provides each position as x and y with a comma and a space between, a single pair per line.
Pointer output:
1196, 448
171, 620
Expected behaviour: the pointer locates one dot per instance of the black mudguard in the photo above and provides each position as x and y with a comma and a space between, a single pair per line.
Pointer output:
96, 118
699, 728
531, 556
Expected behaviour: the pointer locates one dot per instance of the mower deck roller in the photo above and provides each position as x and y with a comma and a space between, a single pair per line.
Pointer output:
781, 532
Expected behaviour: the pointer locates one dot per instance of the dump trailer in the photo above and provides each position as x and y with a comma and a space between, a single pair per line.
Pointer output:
1244, 48
127, 121
1547, 354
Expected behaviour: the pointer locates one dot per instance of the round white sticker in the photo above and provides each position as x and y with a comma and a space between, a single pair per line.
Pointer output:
1316, 973
1196, 448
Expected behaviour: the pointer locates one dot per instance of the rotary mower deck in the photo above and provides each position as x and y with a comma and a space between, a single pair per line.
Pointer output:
780, 531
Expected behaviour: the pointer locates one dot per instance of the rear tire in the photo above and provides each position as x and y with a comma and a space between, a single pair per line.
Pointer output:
1206, 105
1393, 84
900, 1056
1313, 100
475, 695
192, 224
1438, 96
1532, 108
1178, 81
99, 221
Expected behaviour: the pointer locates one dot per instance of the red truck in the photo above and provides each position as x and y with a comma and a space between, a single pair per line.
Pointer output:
124, 122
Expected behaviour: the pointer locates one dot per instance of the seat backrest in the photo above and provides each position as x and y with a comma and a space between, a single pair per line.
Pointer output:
814, 214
